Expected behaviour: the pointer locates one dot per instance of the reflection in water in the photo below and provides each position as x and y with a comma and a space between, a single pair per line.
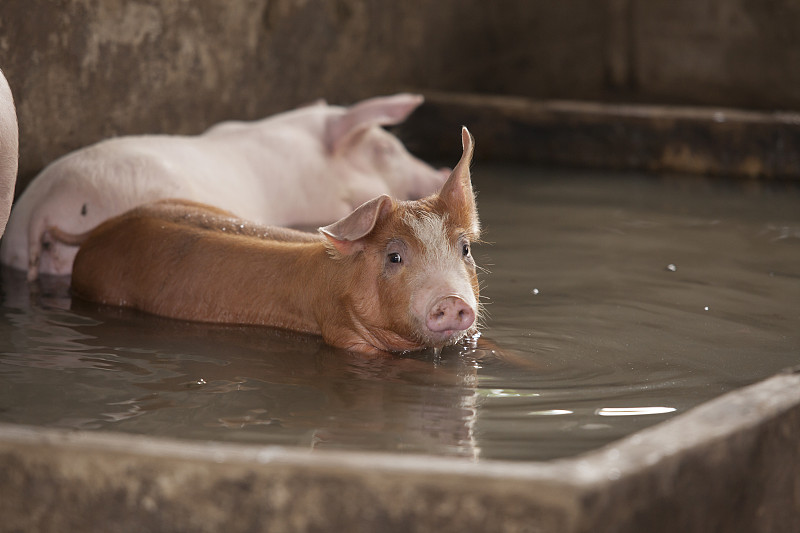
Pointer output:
127, 371
614, 302
633, 411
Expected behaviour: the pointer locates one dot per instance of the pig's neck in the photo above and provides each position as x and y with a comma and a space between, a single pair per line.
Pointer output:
285, 284
296, 286
303, 288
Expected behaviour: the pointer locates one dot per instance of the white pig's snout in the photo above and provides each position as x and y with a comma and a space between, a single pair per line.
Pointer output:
450, 313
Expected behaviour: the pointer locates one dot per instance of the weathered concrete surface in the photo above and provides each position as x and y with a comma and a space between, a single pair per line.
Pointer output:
84, 70
716, 141
741, 53
736, 53
730, 465
56, 481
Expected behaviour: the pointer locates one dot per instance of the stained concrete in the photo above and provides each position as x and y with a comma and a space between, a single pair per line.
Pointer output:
674, 139
85, 70
732, 464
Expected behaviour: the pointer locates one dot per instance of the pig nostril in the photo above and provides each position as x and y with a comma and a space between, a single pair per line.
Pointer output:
450, 314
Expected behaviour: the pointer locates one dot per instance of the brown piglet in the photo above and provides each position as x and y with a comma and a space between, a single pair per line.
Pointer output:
391, 276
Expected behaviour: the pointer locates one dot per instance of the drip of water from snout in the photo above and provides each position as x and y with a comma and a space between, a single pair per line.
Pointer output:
437, 356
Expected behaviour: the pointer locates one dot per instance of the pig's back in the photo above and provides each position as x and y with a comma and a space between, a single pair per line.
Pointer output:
174, 258
205, 217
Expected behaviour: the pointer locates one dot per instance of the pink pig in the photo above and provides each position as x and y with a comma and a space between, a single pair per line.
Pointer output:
303, 167
9, 150
390, 276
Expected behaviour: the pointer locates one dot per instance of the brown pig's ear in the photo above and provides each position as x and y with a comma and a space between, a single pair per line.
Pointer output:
346, 234
457, 192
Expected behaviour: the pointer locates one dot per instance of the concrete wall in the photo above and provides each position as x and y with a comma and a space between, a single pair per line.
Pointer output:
738, 53
618, 137
83, 70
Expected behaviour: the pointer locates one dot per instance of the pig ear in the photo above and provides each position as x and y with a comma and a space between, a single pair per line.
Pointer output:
346, 234
457, 192
381, 111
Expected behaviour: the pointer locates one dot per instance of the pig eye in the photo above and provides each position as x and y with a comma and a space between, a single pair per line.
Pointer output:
396, 254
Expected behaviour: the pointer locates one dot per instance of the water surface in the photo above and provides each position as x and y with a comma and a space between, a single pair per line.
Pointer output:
613, 303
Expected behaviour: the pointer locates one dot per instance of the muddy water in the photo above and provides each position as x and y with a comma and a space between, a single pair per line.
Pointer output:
613, 302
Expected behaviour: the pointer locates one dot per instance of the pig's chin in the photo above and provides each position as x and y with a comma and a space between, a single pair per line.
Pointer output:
420, 338
420, 341
440, 339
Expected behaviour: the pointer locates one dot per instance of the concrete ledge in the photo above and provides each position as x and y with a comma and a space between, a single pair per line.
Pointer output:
728, 465
695, 140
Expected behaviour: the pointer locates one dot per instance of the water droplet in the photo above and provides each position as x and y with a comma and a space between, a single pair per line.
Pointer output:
195, 383
706, 308
672, 268
535, 291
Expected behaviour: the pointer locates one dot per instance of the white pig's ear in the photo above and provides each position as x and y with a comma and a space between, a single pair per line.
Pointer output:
346, 234
457, 192
380, 111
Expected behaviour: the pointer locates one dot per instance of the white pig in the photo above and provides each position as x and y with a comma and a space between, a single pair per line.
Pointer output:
9, 150
303, 167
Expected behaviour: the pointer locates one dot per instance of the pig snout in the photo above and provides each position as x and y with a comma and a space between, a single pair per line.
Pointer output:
450, 314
